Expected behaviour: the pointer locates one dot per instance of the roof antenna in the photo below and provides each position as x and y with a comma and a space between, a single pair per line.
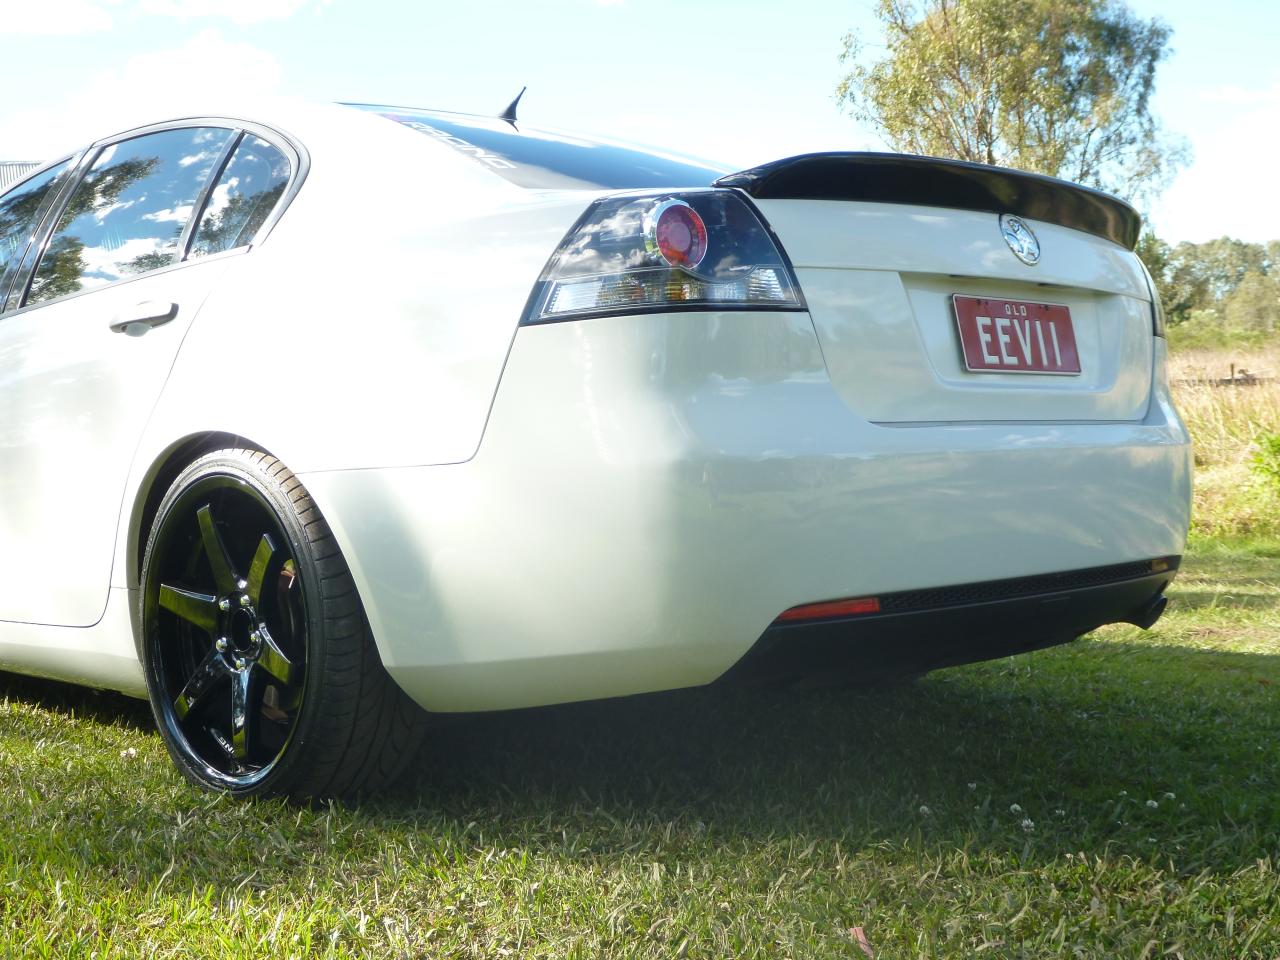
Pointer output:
509, 114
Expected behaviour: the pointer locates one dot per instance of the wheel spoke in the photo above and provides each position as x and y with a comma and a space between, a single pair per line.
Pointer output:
199, 609
242, 719
211, 669
272, 659
224, 576
258, 569
223, 743
230, 688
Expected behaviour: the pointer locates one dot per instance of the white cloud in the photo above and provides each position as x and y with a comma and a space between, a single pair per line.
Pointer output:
220, 198
100, 213
180, 215
239, 11
109, 260
241, 69
1223, 191
128, 95
55, 17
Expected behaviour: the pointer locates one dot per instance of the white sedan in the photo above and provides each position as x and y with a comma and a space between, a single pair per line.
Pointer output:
316, 423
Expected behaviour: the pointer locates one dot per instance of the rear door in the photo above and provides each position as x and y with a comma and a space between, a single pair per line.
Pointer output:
83, 360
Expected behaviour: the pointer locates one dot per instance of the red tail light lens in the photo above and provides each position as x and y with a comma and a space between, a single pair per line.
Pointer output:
674, 230
698, 250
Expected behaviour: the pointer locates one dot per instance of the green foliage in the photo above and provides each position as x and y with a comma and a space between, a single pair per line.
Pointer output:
1254, 305
1224, 292
1061, 87
1210, 330
1266, 462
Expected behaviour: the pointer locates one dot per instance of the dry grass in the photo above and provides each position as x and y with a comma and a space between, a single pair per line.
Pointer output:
1226, 424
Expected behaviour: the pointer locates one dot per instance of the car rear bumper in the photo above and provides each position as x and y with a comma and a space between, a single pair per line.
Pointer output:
921, 630
653, 491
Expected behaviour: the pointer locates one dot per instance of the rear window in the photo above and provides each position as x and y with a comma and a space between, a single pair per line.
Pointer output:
543, 159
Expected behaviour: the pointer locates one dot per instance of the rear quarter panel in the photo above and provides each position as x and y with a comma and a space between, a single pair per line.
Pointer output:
370, 328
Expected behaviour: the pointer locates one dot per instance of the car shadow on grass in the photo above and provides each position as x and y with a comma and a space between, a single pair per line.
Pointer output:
1067, 747
100, 706
1064, 750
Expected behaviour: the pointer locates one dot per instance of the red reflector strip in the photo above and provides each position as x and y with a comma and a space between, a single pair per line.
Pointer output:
832, 608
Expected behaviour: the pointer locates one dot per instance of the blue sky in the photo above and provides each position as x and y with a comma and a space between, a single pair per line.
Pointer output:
740, 82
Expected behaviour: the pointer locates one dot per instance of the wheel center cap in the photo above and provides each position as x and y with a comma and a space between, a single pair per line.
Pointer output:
243, 633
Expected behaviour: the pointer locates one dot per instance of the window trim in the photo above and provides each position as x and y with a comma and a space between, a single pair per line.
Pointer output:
202, 198
17, 286
299, 164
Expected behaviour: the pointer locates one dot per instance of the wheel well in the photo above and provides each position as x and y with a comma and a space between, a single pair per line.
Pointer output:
161, 476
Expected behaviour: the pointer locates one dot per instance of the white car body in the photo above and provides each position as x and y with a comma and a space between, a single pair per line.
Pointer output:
589, 508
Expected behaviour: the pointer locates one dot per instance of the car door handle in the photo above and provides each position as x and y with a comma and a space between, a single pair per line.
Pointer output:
138, 319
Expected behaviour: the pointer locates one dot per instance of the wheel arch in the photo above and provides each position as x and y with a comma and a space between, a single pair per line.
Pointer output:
155, 483
149, 489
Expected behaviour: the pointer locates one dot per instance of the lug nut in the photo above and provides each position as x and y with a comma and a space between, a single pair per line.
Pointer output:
224, 604
244, 600
240, 663
220, 644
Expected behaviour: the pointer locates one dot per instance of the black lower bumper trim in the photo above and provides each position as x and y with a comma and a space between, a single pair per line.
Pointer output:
924, 630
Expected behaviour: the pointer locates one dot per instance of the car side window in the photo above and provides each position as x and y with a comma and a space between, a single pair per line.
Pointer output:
128, 214
21, 210
243, 198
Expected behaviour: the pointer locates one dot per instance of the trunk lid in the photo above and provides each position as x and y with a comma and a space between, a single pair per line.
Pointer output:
880, 277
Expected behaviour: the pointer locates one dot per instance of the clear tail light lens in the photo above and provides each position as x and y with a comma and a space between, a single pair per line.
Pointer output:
700, 250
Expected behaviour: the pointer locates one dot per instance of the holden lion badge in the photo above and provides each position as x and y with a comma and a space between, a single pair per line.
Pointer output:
1020, 239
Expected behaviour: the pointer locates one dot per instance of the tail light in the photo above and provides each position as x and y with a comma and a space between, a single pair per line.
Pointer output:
698, 250
1158, 324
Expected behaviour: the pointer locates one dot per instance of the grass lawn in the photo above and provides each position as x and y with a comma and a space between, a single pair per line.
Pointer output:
1119, 797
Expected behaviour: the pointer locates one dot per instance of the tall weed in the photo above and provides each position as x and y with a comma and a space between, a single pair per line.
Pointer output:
1230, 426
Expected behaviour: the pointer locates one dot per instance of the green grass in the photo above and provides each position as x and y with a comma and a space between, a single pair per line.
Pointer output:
712, 824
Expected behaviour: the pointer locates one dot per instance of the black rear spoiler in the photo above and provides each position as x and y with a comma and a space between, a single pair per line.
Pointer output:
933, 182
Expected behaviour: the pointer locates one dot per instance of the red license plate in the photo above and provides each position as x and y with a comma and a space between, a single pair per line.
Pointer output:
1016, 336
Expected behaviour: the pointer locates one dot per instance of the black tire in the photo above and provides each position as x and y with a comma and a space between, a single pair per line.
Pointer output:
249, 611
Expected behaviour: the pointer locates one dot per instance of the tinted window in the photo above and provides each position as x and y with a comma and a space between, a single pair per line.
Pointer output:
540, 158
127, 216
21, 210
243, 197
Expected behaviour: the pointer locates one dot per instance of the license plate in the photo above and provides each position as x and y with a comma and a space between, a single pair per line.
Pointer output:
1016, 336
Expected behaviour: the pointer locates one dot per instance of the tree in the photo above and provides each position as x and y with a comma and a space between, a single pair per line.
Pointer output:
1061, 87
242, 216
1221, 292
1254, 306
63, 264
1196, 277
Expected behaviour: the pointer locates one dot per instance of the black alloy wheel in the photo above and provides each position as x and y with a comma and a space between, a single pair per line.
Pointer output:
262, 674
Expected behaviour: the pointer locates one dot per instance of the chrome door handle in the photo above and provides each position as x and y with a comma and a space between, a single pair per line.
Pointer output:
138, 319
